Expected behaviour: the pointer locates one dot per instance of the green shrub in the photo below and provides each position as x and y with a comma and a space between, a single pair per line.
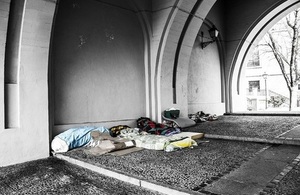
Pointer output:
276, 101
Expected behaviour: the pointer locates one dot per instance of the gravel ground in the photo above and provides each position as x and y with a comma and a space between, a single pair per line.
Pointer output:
248, 126
192, 169
53, 176
189, 169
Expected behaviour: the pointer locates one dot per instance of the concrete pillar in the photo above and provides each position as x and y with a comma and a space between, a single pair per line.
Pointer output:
4, 13
30, 141
12, 64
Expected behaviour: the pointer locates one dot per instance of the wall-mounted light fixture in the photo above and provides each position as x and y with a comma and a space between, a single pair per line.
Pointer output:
213, 33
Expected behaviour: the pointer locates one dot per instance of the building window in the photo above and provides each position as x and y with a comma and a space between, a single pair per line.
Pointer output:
254, 84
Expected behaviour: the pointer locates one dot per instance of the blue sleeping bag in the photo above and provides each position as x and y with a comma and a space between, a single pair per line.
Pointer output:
79, 136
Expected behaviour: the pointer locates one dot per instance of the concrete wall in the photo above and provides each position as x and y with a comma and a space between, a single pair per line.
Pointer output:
30, 140
97, 64
204, 73
204, 81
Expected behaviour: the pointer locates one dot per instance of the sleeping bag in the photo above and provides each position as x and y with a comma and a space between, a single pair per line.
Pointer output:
74, 138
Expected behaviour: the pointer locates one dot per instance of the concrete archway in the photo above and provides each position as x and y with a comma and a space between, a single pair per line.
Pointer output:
172, 59
250, 39
31, 138
99, 69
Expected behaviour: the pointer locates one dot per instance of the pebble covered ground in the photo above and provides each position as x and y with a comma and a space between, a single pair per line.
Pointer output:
193, 169
54, 176
190, 168
248, 126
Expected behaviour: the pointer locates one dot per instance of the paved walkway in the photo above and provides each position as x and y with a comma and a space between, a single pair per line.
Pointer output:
253, 176
293, 134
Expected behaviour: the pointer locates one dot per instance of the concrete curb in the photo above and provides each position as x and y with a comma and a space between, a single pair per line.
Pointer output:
286, 141
126, 178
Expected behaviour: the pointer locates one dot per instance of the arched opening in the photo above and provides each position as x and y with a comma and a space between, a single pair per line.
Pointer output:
237, 102
97, 66
172, 74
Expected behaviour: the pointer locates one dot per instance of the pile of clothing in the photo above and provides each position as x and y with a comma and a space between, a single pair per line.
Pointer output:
101, 140
200, 116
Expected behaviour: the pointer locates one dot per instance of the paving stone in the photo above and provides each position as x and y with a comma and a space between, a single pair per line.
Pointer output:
256, 173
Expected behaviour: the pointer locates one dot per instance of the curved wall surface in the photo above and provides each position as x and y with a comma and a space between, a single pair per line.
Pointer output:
30, 139
242, 33
182, 26
97, 64
205, 73
98, 59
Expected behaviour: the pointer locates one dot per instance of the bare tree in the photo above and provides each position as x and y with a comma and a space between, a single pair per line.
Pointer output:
283, 42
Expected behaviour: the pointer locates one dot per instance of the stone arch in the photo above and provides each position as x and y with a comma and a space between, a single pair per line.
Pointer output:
147, 32
106, 57
184, 26
251, 37
32, 133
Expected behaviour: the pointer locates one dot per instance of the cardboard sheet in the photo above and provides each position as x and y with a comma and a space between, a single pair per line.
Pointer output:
193, 135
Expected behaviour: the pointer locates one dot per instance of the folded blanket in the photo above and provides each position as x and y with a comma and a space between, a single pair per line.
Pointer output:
152, 142
160, 142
